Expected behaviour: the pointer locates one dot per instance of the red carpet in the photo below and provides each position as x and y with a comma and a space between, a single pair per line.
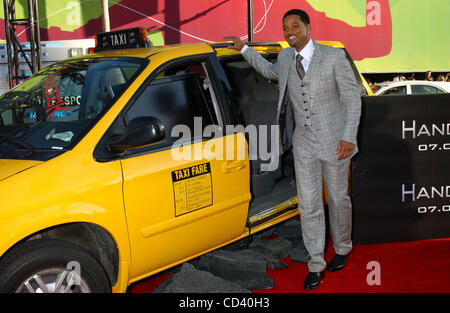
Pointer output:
406, 267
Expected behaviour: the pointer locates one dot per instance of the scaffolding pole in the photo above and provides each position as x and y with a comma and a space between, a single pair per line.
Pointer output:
14, 49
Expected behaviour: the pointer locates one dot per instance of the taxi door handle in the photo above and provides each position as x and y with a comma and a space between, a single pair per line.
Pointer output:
233, 166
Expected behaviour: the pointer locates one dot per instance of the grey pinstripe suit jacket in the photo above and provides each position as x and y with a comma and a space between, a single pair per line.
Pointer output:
329, 93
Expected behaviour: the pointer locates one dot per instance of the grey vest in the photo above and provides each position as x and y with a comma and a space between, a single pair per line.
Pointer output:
305, 133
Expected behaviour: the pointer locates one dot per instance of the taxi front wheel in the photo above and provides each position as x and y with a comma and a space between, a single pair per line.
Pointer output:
51, 266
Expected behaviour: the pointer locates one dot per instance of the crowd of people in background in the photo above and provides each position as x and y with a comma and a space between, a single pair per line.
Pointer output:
428, 77
440, 77
373, 79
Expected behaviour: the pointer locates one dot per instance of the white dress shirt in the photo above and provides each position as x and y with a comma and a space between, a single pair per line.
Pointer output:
306, 53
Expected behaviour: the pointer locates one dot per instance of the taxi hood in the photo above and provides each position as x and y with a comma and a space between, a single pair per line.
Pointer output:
11, 167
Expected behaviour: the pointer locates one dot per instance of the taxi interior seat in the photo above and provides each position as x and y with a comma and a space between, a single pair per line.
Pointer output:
105, 87
114, 82
261, 112
243, 79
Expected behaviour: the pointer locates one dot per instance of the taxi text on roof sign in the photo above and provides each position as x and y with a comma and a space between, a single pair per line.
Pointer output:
122, 39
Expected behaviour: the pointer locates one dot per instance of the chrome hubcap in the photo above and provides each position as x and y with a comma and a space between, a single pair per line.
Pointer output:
54, 280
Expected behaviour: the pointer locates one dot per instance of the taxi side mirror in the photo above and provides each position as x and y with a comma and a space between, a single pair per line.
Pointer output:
141, 132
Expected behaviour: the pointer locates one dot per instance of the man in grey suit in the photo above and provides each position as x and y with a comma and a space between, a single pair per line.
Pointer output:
319, 85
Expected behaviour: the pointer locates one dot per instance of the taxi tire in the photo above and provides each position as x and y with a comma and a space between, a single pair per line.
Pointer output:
33, 256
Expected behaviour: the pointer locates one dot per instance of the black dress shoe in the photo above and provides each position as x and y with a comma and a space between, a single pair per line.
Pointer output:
313, 280
337, 263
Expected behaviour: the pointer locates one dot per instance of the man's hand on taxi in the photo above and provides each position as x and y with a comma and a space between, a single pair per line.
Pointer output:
344, 149
238, 44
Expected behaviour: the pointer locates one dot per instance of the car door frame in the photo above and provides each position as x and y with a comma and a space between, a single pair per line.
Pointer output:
239, 212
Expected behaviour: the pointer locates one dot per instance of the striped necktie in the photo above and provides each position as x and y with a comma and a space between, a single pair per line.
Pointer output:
300, 70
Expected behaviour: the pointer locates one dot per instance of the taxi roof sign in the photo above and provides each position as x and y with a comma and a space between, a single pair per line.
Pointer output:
122, 39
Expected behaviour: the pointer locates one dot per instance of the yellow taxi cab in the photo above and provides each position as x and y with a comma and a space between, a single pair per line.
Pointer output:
119, 164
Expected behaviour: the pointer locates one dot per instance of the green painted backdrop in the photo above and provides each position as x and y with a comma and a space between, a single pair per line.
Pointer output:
420, 33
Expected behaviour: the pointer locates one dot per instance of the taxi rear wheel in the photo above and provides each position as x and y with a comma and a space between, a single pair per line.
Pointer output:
51, 266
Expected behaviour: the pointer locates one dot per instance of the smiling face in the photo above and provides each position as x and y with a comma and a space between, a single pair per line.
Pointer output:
296, 32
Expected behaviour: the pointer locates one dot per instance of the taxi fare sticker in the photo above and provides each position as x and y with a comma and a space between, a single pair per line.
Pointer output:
192, 188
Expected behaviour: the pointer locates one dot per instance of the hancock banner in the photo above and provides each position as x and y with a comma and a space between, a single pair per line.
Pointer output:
400, 177
380, 35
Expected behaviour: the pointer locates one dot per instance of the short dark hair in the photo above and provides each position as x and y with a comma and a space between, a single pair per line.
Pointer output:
304, 17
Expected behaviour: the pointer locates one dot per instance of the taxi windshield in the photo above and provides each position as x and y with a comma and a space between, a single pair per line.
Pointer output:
52, 110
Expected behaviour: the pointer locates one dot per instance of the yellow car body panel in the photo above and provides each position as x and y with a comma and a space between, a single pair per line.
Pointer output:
153, 222
60, 191
11, 167
66, 189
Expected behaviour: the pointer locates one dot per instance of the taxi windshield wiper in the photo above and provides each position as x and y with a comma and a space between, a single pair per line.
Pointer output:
26, 145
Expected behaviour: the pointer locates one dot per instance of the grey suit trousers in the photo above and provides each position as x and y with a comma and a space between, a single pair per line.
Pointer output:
309, 172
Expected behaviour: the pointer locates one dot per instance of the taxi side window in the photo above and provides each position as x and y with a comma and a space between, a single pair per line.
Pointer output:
176, 97
107, 85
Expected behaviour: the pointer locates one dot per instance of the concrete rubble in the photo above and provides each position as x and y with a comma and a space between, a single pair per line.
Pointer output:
242, 266
191, 280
